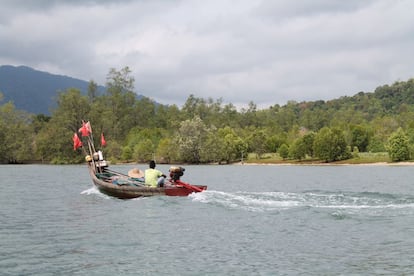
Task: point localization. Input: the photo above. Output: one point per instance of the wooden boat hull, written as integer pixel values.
(131, 191)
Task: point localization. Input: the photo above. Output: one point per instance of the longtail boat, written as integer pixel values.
(119, 185)
(122, 186)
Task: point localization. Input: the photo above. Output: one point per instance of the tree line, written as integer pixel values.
(207, 130)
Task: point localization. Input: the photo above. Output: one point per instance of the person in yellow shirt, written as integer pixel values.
(154, 177)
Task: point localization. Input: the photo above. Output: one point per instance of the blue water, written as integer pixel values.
(253, 220)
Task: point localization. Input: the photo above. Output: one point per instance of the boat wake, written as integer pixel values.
(94, 191)
(350, 202)
(91, 191)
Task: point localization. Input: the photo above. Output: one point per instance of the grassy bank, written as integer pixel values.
(361, 158)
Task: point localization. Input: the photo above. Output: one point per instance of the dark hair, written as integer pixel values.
(152, 164)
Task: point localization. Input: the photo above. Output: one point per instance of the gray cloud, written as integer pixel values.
(265, 51)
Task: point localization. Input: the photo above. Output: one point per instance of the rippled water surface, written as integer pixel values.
(253, 220)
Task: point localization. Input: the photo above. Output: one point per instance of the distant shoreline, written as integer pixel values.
(404, 163)
(327, 164)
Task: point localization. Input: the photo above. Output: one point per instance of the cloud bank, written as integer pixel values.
(268, 52)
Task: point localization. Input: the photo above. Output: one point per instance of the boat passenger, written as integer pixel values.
(154, 177)
(136, 174)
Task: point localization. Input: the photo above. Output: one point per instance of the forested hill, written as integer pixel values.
(35, 91)
(386, 99)
(206, 130)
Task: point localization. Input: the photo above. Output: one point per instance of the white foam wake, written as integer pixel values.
(276, 201)
(94, 191)
(91, 191)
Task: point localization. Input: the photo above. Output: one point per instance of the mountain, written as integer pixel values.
(36, 91)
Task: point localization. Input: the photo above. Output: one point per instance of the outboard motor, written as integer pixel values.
(176, 173)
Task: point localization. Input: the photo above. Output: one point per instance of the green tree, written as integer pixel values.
(113, 150)
(213, 149)
(3, 146)
(137, 134)
(55, 139)
(249, 116)
(257, 142)
(92, 91)
(127, 153)
(287, 116)
(330, 145)
(360, 138)
(376, 145)
(273, 142)
(144, 113)
(398, 146)
(144, 150)
(284, 151)
(39, 121)
(16, 136)
(167, 150)
(229, 145)
(191, 138)
(298, 149)
(229, 116)
(308, 140)
(119, 101)
(47, 150)
(72, 108)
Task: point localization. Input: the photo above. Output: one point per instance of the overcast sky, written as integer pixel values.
(268, 52)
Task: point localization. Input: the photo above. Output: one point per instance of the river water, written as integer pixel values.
(253, 220)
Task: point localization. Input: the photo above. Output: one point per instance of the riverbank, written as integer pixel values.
(411, 163)
(365, 158)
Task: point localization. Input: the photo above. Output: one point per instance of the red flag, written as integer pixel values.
(103, 142)
(77, 143)
(88, 127)
(84, 129)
